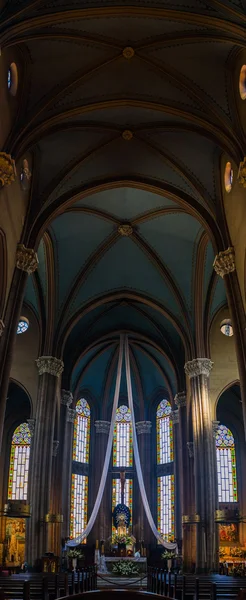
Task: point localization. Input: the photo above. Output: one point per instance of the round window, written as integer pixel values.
(242, 82)
(226, 327)
(228, 177)
(22, 325)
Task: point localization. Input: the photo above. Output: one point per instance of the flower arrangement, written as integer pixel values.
(125, 568)
(121, 539)
(75, 553)
(168, 555)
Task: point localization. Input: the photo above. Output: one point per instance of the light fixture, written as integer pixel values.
(226, 327)
(22, 325)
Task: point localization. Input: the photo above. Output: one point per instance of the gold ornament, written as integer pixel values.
(128, 52)
(224, 262)
(7, 169)
(242, 173)
(26, 259)
(127, 135)
(52, 518)
(125, 229)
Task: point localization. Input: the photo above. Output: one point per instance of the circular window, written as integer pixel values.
(226, 327)
(12, 79)
(22, 325)
(242, 82)
(228, 177)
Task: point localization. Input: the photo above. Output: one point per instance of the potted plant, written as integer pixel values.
(75, 555)
(168, 556)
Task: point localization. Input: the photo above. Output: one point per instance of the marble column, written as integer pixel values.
(102, 527)
(143, 429)
(198, 371)
(42, 486)
(67, 428)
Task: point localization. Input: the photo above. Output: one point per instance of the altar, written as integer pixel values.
(141, 562)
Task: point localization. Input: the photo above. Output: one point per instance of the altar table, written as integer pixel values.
(141, 562)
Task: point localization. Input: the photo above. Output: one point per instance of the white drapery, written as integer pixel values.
(95, 510)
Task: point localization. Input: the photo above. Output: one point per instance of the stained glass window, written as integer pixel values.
(19, 463)
(164, 430)
(226, 465)
(122, 445)
(22, 325)
(116, 495)
(79, 499)
(81, 438)
(165, 506)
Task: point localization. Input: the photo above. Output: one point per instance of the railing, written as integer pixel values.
(164, 583)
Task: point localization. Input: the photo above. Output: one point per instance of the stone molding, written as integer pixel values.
(174, 416)
(215, 425)
(49, 364)
(71, 414)
(55, 447)
(7, 169)
(2, 327)
(190, 446)
(198, 366)
(180, 399)
(102, 426)
(66, 397)
(26, 259)
(31, 425)
(224, 262)
(143, 427)
(242, 173)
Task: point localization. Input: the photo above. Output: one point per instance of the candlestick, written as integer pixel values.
(102, 549)
(96, 544)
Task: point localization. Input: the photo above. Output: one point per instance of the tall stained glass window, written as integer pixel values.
(165, 483)
(19, 463)
(226, 465)
(116, 495)
(122, 446)
(79, 488)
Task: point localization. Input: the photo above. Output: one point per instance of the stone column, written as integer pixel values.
(225, 267)
(66, 456)
(49, 369)
(143, 429)
(102, 527)
(198, 371)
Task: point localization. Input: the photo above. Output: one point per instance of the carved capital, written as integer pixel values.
(31, 425)
(26, 259)
(125, 229)
(143, 427)
(174, 416)
(71, 414)
(7, 169)
(198, 366)
(242, 173)
(215, 425)
(224, 262)
(49, 364)
(190, 446)
(55, 447)
(2, 326)
(102, 426)
(66, 397)
(180, 399)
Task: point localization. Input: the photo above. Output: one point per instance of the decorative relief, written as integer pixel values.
(102, 426)
(128, 52)
(143, 427)
(190, 446)
(180, 399)
(215, 425)
(174, 416)
(66, 397)
(125, 229)
(242, 173)
(71, 414)
(31, 425)
(7, 169)
(55, 447)
(26, 259)
(49, 364)
(224, 262)
(198, 366)
(127, 135)
(2, 326)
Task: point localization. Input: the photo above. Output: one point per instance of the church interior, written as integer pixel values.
(123, 283)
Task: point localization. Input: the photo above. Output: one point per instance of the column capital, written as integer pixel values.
(31, 425)
(49, 364)
(143, 427)
(190, 446)
(26, 259)
(224, 262)
(215, 425)
(55, 447)
(66, 397)
(242, 173)
(198, 366)
(71, 414)
(7, 169)
(174, 416)
(2, 326)
(180, 399)
(102, 426)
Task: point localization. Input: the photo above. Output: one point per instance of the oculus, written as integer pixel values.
(226, 327)
(22, 325)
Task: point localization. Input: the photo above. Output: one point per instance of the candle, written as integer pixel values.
(102, 550)
(96, 544)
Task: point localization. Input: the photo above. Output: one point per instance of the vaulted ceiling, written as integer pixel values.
(125, 109)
